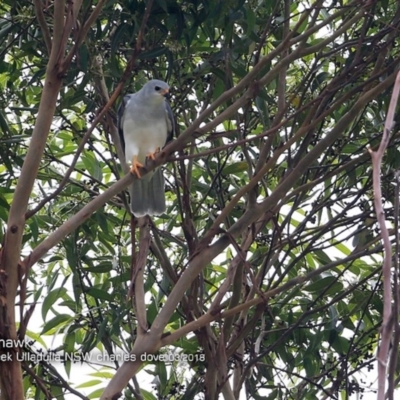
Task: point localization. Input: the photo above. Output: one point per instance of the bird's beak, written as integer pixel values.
(164, 92)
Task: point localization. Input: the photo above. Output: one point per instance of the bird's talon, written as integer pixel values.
(153, 155)
(135, 167)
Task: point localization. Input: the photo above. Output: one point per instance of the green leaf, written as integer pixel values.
(36, 337)
(157, 52)
(263, 110)
(310, 367)
(83, 57)
(50, 300)
(100, 268)
(55, 322)
(147, 395)
(99, 294)
(102, 374)
(235, 168)
(90, 383)
(320, 284)
(92, 165)
(96, 394)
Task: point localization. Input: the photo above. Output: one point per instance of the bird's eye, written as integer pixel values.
(157, 88)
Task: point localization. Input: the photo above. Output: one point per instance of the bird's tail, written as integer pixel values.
(147, 194)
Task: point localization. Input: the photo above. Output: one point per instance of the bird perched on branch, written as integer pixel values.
(145, 125)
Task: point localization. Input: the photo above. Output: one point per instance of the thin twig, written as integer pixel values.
(42, 22)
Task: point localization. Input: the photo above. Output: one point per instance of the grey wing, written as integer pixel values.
(170, 122)
(121, 115)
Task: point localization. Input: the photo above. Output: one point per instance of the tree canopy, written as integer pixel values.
(264, 276)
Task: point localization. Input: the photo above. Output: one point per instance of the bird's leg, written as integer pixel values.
(153, 155)
(135, 166)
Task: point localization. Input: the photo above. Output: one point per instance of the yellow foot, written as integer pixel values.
(153, 155)
(135, 167)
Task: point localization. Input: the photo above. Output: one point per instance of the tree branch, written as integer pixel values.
(387, 321)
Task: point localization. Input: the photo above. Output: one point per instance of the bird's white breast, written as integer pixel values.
(145, 129)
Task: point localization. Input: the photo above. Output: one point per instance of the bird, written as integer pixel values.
(145, 126)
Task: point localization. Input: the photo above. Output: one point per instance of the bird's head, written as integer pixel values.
(155, 89)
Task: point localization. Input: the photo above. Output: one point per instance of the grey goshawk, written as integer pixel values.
(145, 125)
